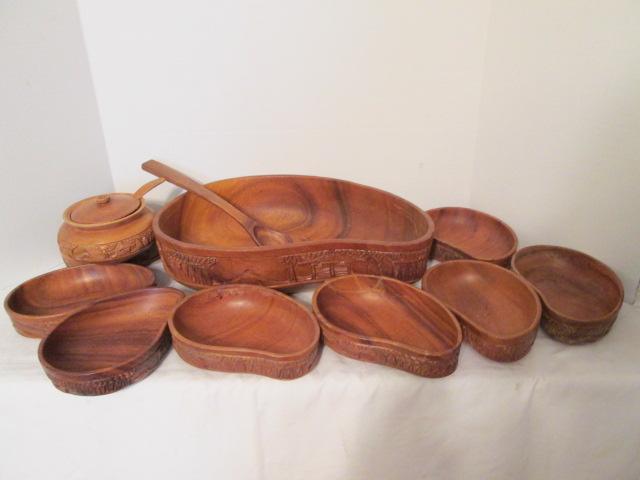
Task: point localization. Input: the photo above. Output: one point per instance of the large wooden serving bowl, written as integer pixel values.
(463, 233)
(246, 329)
(337, 228)
(384, 321)
(111, 343)
(499, 312)
(38, 305)
(581, 295)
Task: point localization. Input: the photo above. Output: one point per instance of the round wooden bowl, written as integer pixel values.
(110, 344)
(246, 329)
(38, 305)
(385, 321)
(499, 312)
(581, 295)
(463, 233)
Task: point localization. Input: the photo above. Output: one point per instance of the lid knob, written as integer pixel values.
(103, 199)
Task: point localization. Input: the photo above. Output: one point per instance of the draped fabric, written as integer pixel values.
(561, 412)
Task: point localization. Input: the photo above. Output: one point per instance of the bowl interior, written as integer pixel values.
(380, 308)
(69, 288)
(110, 332)
(246, 317)
(490, 297)
(475, 233)
(570, 282)
(307, 208)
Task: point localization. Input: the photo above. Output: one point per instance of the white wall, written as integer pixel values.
(558, 152)
(385, 93)
(51, 147)
(529, 110)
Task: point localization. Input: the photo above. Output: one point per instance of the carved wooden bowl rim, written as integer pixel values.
(53, 273)
(115, 369)
(239, 351)
(605, 270)
(503, 271)
(480, 213)
(367, 340)
(335, 242)
(66, 216)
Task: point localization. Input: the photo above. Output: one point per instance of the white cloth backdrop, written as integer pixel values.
(562, 412)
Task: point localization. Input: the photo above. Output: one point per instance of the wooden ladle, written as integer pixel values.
(260, 233)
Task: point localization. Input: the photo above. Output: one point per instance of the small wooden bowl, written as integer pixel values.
(382, 320)
(581, 295)
(38, 305)
(246, 329)
(463, 233)
(499, 312)
(110, 344)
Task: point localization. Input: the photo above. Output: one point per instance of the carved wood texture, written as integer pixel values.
(337, 228)
(499, 312)
(581, 296)
(109, 252)
(384, 321)
(266, 333)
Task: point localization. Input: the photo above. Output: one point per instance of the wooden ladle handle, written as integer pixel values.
(147, 187)
(181, 180)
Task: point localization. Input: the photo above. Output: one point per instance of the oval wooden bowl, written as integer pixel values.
(110, 344)
(246, 329)
(38, 305)
(581, 295)
(499, 312)
(337, 228)
(384, 321)
(463, 233)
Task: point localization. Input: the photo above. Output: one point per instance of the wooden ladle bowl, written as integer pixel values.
(581, 296)
(111, 343)
(463, 233)
(38, 305)
(499, 312)
(246, 328)
(385, 321)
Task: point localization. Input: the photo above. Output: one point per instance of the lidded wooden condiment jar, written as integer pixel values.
(110, 228)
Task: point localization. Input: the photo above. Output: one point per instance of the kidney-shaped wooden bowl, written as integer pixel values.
(382, 320)
(581, 295)
(110, 344)
(246, 328)
(499, 312)
(463, 233)
(38, 305)
(337, 228)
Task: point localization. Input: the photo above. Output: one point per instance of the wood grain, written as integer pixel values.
(108, 228)
(499, 312)
(41, 303)
(111, 343)
(385, 321)
(463, 233)
(337, 228)
(259, 233)
(581, 296)
(246, 329)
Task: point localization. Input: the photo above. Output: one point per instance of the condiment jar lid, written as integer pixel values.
(103, 208)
